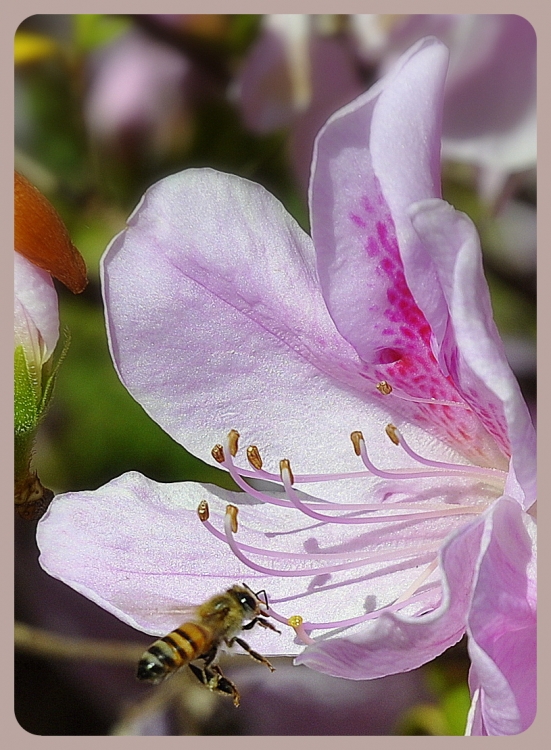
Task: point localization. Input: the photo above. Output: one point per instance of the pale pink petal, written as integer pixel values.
(362, 237)
(469, 346)
(36, 316)
(138, 549)
(502, 621)
(216, 321)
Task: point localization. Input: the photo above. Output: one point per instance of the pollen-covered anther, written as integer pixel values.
(295, 621)
(233, 442)
(231, 513)
(218, 453)
(285, 469)
(357, 437)
(203, 511)
(392, 433)
(384, 388)
(254, 457)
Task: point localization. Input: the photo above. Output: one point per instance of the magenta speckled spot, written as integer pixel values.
(358, 221)
(366, 204)
(400, 349)
(372, 247)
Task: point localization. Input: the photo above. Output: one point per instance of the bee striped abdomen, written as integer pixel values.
(173, 651)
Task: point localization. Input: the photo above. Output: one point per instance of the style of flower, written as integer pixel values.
(290, 355)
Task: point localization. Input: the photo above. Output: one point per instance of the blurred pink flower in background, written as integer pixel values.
(222, 313)
(490, 98)
(296, 74)
(299, 71)
(138, 95)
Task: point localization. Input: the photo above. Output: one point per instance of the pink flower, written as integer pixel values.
(297, 74)
(223, 314)
(490, 97)
(138, 95)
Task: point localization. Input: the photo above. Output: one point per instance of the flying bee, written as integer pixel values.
(213, 623)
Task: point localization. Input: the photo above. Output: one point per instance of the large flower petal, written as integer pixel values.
(138, 549)
(502, 622)
(469, 347)
(216, 321)
(372, 160)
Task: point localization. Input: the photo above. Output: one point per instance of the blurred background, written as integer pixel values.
(106, 105)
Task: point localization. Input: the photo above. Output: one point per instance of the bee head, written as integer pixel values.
(251, 602)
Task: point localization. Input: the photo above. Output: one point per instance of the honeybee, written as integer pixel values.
(216, 621)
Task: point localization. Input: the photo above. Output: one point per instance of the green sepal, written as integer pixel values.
(32, 395)
(27, 394)
(49, 374)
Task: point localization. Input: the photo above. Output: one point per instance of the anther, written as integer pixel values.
(231, 512)
(218, 453)
(356, 438)
(203, 510)
(233, 442)
(285, 466)
(392, 432)
(384, 388)
(254, 458)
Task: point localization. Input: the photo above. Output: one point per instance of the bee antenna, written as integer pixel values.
(257, 594)
(264, 598)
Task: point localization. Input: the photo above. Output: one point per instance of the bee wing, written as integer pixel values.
(160, 620)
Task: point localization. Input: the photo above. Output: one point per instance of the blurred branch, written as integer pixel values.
(49, 645)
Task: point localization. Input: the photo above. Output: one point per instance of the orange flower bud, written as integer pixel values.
(42, 238)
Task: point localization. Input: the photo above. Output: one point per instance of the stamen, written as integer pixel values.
(386, 389)
(218, 453)
(382, 513)
(448, 469)
(349, 556)
(230, 530)
(254, 458)
(357, 508)
(285, 468)
(418, 581)
(395, 607)
(421, 515)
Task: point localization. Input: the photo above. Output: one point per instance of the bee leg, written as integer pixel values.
(255, 655)
(213, 678)
(262, 622)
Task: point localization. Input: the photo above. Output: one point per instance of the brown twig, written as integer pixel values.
(43, 643)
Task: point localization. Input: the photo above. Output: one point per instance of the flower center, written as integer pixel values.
(384, 515)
